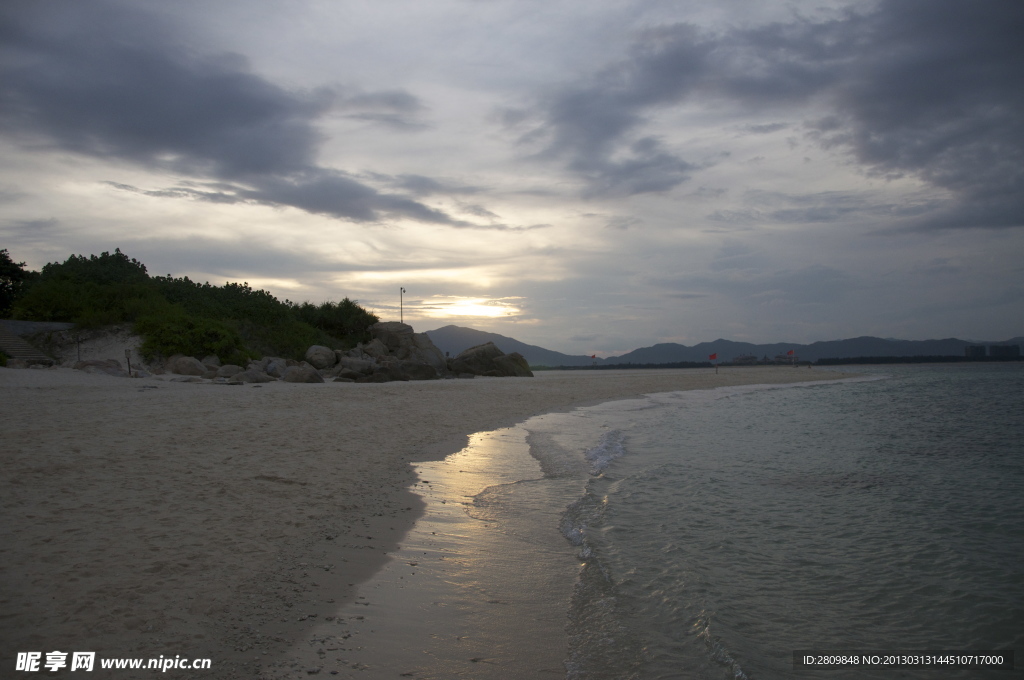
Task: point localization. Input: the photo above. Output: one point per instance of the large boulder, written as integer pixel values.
(488, 359)
(424, 351)
(396, 336)
(375, 349)
(514, 364)
(228, 370)
(302, 374)
(321, 357)
(358, 365)
(418, 371)
(102, 366)
(183, 365)
(253, 375)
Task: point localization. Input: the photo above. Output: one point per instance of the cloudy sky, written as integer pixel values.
(588, 176)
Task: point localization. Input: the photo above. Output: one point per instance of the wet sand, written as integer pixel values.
(143, 518)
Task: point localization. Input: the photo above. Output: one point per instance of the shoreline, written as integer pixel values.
(222, 522)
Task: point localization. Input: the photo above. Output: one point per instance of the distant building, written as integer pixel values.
(1004, 351)
(974, 351)
(745, 360)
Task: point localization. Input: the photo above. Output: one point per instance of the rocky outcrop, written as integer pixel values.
(405, 345)
(487, 359)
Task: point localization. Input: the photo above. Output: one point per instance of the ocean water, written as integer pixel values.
(726, 529)
(710, 534)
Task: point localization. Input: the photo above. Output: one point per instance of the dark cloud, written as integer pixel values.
(107, 81)
(929, 88)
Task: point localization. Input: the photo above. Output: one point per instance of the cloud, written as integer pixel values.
(927, 88)
(108, 82)
(816, 284)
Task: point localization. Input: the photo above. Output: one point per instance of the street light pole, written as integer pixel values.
(401, 313)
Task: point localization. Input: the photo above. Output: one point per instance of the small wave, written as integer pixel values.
(608, 448)
(714, 647)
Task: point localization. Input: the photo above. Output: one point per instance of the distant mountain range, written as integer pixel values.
(454, 339)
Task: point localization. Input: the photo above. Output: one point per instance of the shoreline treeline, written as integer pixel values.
(177, 315)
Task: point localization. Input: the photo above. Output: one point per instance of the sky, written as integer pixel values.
(591, 177)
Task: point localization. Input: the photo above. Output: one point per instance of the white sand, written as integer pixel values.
(145, 518)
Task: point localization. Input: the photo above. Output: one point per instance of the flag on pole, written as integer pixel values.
(593, 356)
(713, 356)
(789, 353)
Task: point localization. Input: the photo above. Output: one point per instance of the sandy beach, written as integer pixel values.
(144, 518)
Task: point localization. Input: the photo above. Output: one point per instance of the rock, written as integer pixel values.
(276, 367)
(416, 371)
(358, 365)
(228, 370)
(183, 365)
(211, 360)
(402, 343)
(321, 357)
(488, 359)
(514, 364)
(141, 374)
(375, 348)
(302, 374)
(349, 374)
(394, 335)
(424, 351)
(387, 372)
(102, 366)
(209, 375)
(252, 375)
(259, 364)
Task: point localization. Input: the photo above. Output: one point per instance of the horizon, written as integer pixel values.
(598, 178)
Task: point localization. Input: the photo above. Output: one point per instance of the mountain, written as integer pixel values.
(865, 346)
(454, 339)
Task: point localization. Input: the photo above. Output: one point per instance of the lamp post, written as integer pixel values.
(401, 313)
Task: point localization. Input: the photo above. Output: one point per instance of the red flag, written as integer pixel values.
(713, 356)
(593, 356)
(789, 353)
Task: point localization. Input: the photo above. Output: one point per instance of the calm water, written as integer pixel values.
(720, 531)
(710, 534)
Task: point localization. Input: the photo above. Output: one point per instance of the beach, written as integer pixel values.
(145, 518)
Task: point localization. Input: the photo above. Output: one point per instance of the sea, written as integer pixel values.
(723, 534)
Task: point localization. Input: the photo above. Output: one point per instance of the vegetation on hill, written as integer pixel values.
(13, 279)
(178, 315)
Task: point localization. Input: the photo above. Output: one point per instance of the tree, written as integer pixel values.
(13, 278)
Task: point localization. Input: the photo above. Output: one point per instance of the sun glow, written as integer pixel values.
(447, 307)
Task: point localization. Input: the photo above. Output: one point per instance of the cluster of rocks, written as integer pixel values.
(394, 353)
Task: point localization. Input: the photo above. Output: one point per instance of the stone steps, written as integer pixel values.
(16, 348)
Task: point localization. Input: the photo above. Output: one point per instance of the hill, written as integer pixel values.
(454, 339)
